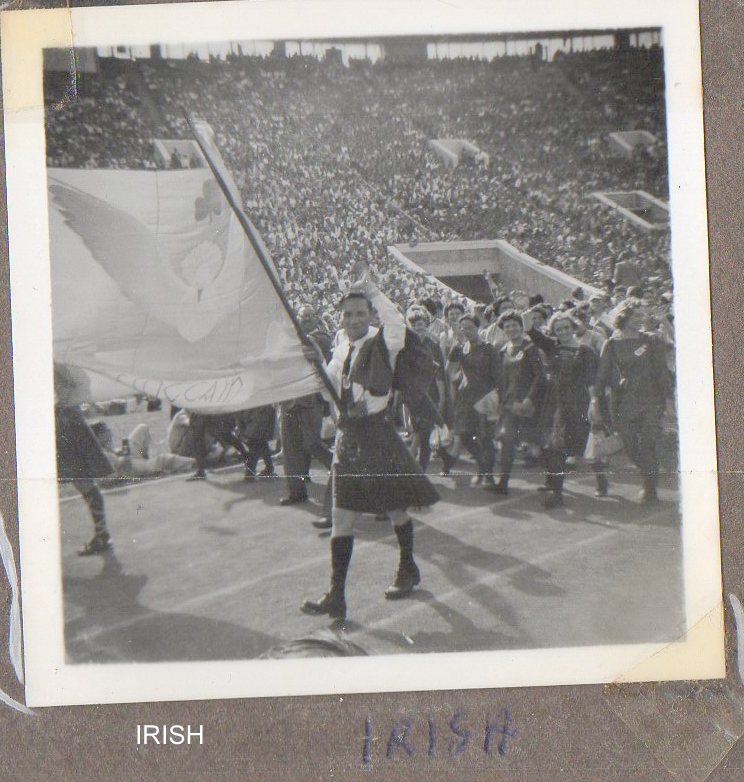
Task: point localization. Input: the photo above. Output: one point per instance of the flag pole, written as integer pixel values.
(263, 256)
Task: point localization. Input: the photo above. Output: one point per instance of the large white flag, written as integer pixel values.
(156, 288)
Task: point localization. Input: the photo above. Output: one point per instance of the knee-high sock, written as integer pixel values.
(424, 452)
(404, 533)
(556, 469)
(266, 456)
(508, 449)
(600, 473)
(341, 549)
(94, 500)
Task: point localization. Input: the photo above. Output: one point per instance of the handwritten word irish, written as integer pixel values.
(406, 739)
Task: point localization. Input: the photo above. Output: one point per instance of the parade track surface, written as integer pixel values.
(217, 569)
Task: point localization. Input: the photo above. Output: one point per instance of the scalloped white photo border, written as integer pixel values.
(50, 680)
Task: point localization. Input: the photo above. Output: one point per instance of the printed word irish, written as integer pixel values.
(169, 734)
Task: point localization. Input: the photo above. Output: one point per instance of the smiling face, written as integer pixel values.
(418, 326)
(564, 330)
(356, 316)
(512, 330)
(453, 316)
(469, 330)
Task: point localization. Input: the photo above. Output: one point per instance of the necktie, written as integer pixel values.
(346, 394)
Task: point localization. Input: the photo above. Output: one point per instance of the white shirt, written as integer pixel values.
(394, 336)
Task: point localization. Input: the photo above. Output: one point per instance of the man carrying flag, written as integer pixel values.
(373, 471)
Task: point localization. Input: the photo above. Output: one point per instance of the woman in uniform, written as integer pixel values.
(522, 389)
(476, 363)
(572, 368)
(429, 410)
(633, 364)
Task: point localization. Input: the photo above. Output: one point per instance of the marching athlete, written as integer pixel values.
(80, 457)
(373, 471)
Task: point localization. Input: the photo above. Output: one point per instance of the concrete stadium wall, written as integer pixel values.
(450, 150)
(517, 271)
(638, 206)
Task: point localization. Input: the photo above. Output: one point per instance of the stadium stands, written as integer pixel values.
(333, 162)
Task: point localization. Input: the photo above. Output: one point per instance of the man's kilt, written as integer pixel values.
(373, 471)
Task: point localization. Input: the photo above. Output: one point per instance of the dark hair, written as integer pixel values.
(502, 300)
(453, 305)
(417, 312)
(430, 306)
(578, 293)
(509, 315)
(536, 299)
(538, 309)
(559, 316)
(624, 310)
(582, 312)
(354, 295)
(470, 316)
(635, 292)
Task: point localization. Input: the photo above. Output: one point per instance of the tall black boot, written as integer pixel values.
(408, 575)
(333, 602)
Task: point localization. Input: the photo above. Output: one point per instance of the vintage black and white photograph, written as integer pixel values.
(367, 346)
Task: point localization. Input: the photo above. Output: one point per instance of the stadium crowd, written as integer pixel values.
(333, 162)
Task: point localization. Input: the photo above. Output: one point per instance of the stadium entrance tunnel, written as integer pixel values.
(452, 151)
(626, 141)
(639, 207)
(462, 266)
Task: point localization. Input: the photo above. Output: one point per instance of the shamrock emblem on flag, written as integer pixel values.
(177, 276)
(209, 203)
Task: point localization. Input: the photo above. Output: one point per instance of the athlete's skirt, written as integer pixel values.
(373, 471)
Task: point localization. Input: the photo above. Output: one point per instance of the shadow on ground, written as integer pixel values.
(143, 635)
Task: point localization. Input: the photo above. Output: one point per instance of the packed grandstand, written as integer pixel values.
(334, 162)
